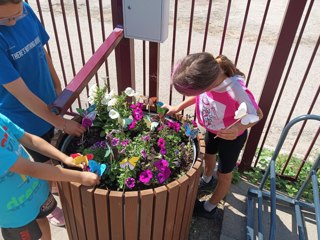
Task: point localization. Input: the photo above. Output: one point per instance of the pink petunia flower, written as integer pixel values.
(132, 125)
(161, 165)
(130, 182)
(163, 175)
(145, 176)
(161, 143)
(86, 122)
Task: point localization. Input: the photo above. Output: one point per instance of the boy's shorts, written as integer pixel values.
(228, 150)
(31, 231)
(37, 157)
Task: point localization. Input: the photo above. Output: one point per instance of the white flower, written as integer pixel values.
(112, 102)
(113, 114)
(107, 97)
(92, 93)
(129, 92)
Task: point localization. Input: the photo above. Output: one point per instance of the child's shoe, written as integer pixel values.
(199, 210)
(56, 218)
(210, 186)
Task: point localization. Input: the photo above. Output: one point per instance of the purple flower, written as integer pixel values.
(146, 138)
(86, 122)
(123, 151)
(161, 143)
(130, 182)
(161, 165)
(163, 175)
(133, 106)
(176, 127)
(132, 125)
(161, 128)
(139, 105)
(145, 176)
(194, 123)
(163, 151)
(115, 142)
(137, 114)
(144, 153)
(125, 142)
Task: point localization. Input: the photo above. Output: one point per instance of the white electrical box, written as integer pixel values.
(146, 19)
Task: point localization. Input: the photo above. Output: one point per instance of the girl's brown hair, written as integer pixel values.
(228, 67)
(197, 72)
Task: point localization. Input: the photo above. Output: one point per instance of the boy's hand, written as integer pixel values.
(89, 179)
(69, 161)
(73, 128)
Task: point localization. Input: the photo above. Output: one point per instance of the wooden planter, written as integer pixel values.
(160, 213)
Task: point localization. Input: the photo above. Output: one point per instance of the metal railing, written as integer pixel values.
(261, 195)
(275, 42)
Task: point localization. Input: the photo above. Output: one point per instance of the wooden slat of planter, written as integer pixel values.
(116, 215)
(173, 193)
(131, 215)
(67, 206)
(101, 201)
(183, 181)
(146, 205)
(77, 208)
(159, 212)
(89, 212)
(198, 167)
(188, 209)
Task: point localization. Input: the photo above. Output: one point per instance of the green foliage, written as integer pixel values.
(285, 186)
(140, 149)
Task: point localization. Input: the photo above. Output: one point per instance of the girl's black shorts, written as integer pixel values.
(227, 150)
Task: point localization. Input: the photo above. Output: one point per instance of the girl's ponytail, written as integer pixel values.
(228, 67)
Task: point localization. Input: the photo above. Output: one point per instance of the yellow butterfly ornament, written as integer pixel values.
(131, 163)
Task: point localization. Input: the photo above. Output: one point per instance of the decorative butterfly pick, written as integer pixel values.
(242, 115)
(88, 115)
(131, 163)
(79, 159)
(150, 124)
(191, 133)
(160, 110)
(97, 167)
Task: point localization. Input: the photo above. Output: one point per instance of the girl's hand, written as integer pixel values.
(89, 179)
(69, 161)
(229, 134)
(73, 128)
(171, 109)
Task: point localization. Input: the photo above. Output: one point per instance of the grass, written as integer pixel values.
(287, 187)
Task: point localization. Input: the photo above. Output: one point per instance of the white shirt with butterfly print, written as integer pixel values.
(215, 109)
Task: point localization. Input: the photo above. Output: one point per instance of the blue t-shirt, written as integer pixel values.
(21, 195)
(22, 55)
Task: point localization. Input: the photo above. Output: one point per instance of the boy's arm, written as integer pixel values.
(54, 75)
(19, 90)
(39, 145)
(51, 173)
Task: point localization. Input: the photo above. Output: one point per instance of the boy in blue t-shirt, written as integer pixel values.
(28, 80)
(25, 198)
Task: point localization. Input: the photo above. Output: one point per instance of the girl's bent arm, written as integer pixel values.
(186, 103)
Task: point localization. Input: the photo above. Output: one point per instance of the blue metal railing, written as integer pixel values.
(272, 196)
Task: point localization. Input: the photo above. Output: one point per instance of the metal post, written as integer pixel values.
(286, 38)
(124, 52)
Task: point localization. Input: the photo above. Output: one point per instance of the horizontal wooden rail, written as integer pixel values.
(82, 78)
